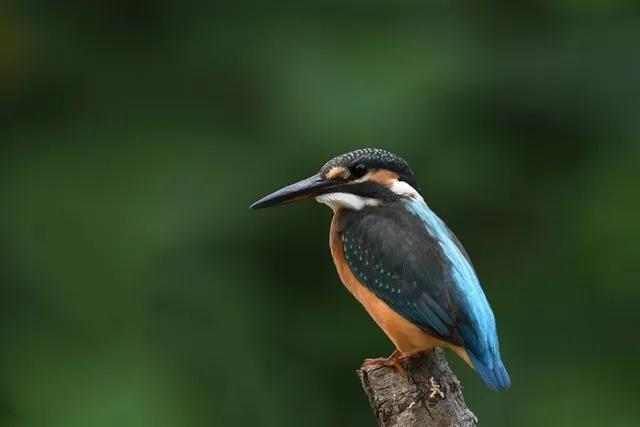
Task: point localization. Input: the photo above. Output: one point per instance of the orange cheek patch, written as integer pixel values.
(384, 177)
(336, 172)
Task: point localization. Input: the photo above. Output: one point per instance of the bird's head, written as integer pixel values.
(365, 177)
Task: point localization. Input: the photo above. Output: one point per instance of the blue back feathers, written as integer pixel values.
(408, 257)
(480, 335)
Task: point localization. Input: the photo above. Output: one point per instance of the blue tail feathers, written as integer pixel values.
(491, 370)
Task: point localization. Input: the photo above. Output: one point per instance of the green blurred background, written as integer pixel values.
(138, 289)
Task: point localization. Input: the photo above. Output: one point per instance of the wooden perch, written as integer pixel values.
(430, 396)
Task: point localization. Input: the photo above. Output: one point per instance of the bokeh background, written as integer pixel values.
(138, 289)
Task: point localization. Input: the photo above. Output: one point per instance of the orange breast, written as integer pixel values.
(406, 336)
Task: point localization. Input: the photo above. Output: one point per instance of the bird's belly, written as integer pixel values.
(406, 336)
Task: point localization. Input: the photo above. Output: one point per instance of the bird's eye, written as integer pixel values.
(358, 171)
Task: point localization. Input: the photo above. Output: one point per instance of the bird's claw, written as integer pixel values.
(392, 361)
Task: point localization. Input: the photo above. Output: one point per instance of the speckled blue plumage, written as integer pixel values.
(408, 257)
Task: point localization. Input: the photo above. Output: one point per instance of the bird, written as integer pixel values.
(401, 261)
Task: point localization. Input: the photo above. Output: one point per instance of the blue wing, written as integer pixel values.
(409, 258)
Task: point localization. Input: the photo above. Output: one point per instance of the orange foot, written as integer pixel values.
(392, 361)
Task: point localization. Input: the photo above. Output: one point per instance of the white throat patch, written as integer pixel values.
(356, 203)
(346, 200)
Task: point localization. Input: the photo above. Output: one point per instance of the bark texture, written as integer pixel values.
(430, 395)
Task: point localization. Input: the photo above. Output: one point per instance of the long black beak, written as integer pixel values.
(313, 186)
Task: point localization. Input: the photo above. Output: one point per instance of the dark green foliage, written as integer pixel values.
(137, 288)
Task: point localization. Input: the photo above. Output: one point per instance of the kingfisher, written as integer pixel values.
(401, 262)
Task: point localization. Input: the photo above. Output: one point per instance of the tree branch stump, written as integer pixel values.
(430, 396)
